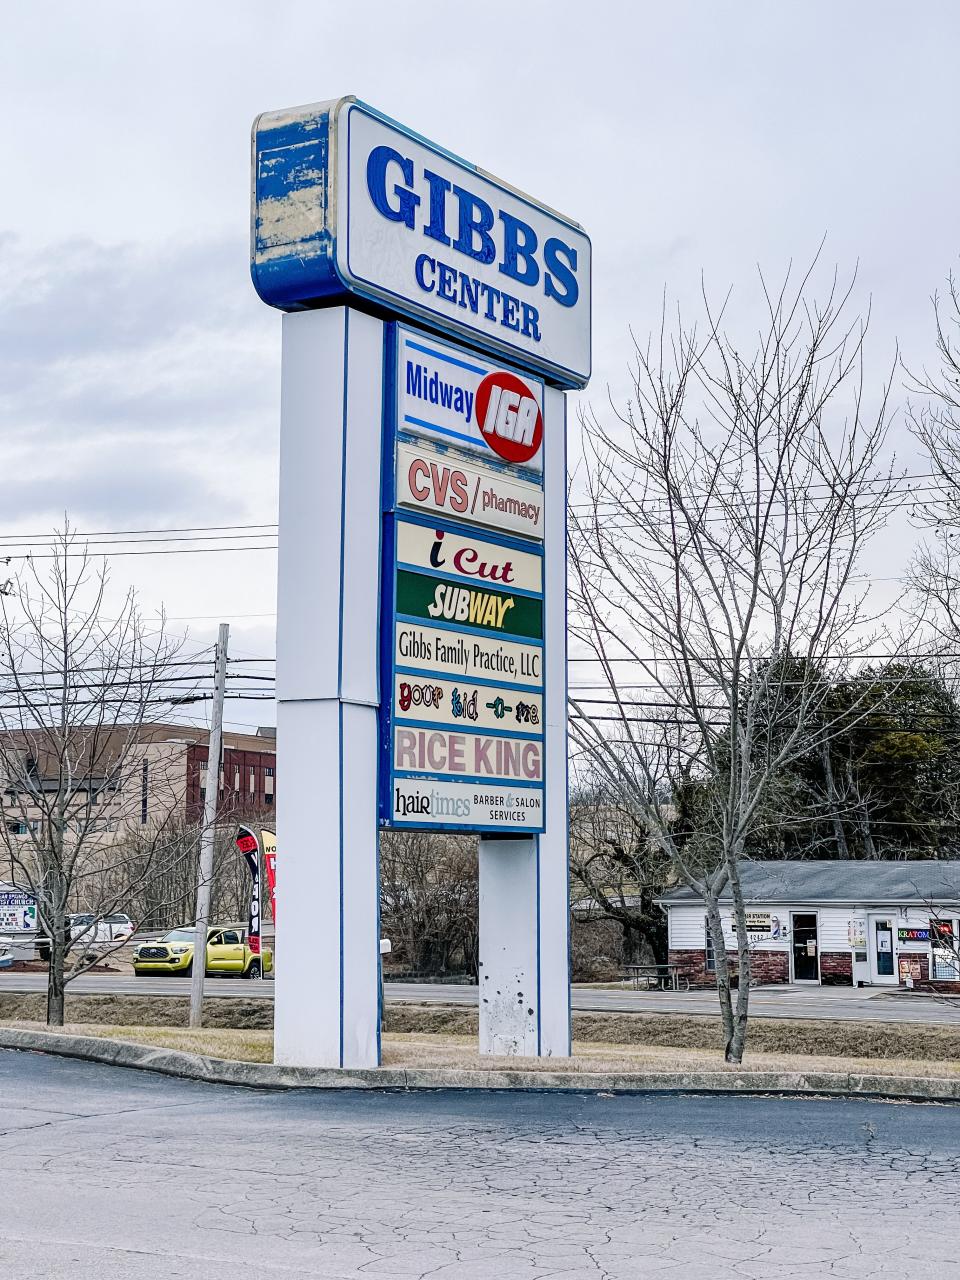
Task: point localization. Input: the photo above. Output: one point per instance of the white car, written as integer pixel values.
(90, 931)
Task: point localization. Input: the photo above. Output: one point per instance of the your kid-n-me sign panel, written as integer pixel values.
(345, 200)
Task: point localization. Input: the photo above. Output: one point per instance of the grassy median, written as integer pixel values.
(245, 1028)
(460, 1051)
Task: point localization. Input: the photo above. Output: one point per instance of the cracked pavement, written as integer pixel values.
(110, 1173)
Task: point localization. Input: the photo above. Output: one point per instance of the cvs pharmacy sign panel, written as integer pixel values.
(346, 200)
(454, 396)
(428, 480)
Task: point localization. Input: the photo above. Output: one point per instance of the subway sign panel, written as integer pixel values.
(346, 201)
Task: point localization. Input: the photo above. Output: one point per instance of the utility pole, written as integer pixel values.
(207, 831)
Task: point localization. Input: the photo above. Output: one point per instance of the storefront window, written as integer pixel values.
(943, 938)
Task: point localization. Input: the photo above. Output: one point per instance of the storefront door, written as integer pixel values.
(806, 948)
(883, 962)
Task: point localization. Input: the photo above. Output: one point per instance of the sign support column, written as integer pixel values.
(524, 882)
(328, 690)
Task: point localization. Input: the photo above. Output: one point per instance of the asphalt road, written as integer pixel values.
(121, 1175)
(844, 1003)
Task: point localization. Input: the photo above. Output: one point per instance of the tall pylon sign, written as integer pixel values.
(435, 319)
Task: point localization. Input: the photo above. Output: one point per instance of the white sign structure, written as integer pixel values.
(436, 316)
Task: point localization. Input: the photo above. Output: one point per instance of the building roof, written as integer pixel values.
(852, 881)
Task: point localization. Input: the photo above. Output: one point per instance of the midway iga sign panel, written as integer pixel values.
(454, 396)
(430, 480)
(345, 200)
(462, 729)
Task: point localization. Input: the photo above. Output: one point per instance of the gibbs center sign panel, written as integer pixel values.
(346, 201)
(486, 294)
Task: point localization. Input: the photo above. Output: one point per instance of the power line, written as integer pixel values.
(125, 533)
(172, 551)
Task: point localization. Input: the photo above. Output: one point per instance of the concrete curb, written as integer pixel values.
(257, 1075)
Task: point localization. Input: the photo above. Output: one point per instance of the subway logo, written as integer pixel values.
(420, 596)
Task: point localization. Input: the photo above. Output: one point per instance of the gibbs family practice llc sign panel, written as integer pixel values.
(345, 200)
(463, 723)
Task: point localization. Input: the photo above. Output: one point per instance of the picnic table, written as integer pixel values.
(666, 977)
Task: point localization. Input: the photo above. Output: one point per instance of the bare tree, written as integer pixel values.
(617, 870)
(935, 421)
(79, 772)
(715, 581)
(162, 894)
(429, 900)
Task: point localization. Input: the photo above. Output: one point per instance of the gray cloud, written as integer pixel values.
(130, 489)
(124, 339)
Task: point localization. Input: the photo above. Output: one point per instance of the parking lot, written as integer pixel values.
(124, 1175)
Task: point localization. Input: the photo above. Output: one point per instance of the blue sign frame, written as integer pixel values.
(389, 620)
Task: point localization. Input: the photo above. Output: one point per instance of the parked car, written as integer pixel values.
(6, 956)
(89, 932)
(228, 953)
(86, 928)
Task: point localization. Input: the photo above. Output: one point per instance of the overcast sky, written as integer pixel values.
(138, 370)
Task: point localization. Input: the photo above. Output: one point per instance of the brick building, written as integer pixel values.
(248, 779)
(840, 922)
(164, 773)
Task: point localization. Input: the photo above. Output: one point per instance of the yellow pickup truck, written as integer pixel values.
(227, 953)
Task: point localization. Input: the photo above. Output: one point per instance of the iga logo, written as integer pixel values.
(509, 417)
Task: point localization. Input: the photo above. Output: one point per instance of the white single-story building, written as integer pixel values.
(844, 922)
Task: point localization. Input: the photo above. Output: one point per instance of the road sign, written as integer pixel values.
(436, 316)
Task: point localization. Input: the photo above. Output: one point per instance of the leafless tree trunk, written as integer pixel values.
(617, 870)
(935, 421)
(715, 581)
(833, 804)
(78, 691)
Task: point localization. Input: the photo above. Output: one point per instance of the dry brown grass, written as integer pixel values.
(654, 1037)
(419, 1050)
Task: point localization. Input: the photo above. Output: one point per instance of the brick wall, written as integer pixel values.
(693, 966)
(836, 968)
(770, 966)
(766, 966)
